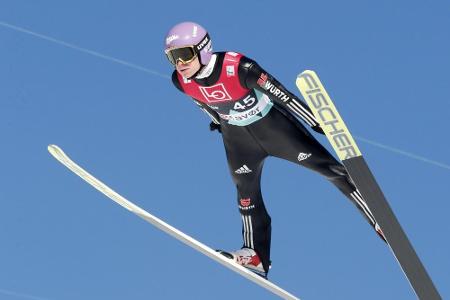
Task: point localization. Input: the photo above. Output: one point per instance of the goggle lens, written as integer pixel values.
(185, 55)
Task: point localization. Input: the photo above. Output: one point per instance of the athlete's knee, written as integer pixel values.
(338, 169)
(338, 172)
(338, 176)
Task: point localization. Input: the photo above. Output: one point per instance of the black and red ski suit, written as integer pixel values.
(258, 118)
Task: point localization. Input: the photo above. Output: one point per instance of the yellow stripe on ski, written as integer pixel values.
(325, 112)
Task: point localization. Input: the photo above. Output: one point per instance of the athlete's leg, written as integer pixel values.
(291, 141)
(245, 160)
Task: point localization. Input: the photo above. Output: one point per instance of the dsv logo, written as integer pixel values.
(215, 93)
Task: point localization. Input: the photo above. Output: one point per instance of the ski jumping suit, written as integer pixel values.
(257, 117)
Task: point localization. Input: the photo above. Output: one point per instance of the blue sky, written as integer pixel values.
(91, 77)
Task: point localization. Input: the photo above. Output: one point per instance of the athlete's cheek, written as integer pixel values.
(183, 67)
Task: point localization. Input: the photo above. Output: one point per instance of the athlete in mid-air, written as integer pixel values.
(258, 117)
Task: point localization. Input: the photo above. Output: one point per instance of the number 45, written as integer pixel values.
(247, 102)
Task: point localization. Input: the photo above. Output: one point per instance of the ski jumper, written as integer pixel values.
(258, 118)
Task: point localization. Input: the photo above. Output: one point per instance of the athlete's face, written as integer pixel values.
(188, 69)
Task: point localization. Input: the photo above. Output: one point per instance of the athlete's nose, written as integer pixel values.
(180, 63)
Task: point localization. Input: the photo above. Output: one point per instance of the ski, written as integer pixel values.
(186, 239)
(348, 152)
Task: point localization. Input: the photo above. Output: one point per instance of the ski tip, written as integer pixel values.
(53, 149)
(310, 72)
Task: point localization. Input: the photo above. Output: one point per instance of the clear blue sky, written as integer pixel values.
(385, 63)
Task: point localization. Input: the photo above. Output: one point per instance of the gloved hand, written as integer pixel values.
(318, 129)
(213, 126)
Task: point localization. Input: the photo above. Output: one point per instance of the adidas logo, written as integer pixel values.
(243, 170)
(303, 156)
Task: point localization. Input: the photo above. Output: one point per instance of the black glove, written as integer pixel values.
(318, 129)
(213, 126)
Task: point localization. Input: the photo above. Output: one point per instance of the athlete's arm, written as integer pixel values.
(252, 76)
(210, 112)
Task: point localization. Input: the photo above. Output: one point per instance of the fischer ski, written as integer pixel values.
(346, 149)
(186, 239)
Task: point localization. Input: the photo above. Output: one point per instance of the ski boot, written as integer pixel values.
(247, 258)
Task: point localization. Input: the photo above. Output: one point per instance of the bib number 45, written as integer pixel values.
(245, 103)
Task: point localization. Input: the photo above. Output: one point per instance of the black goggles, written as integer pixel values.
(184, 54)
